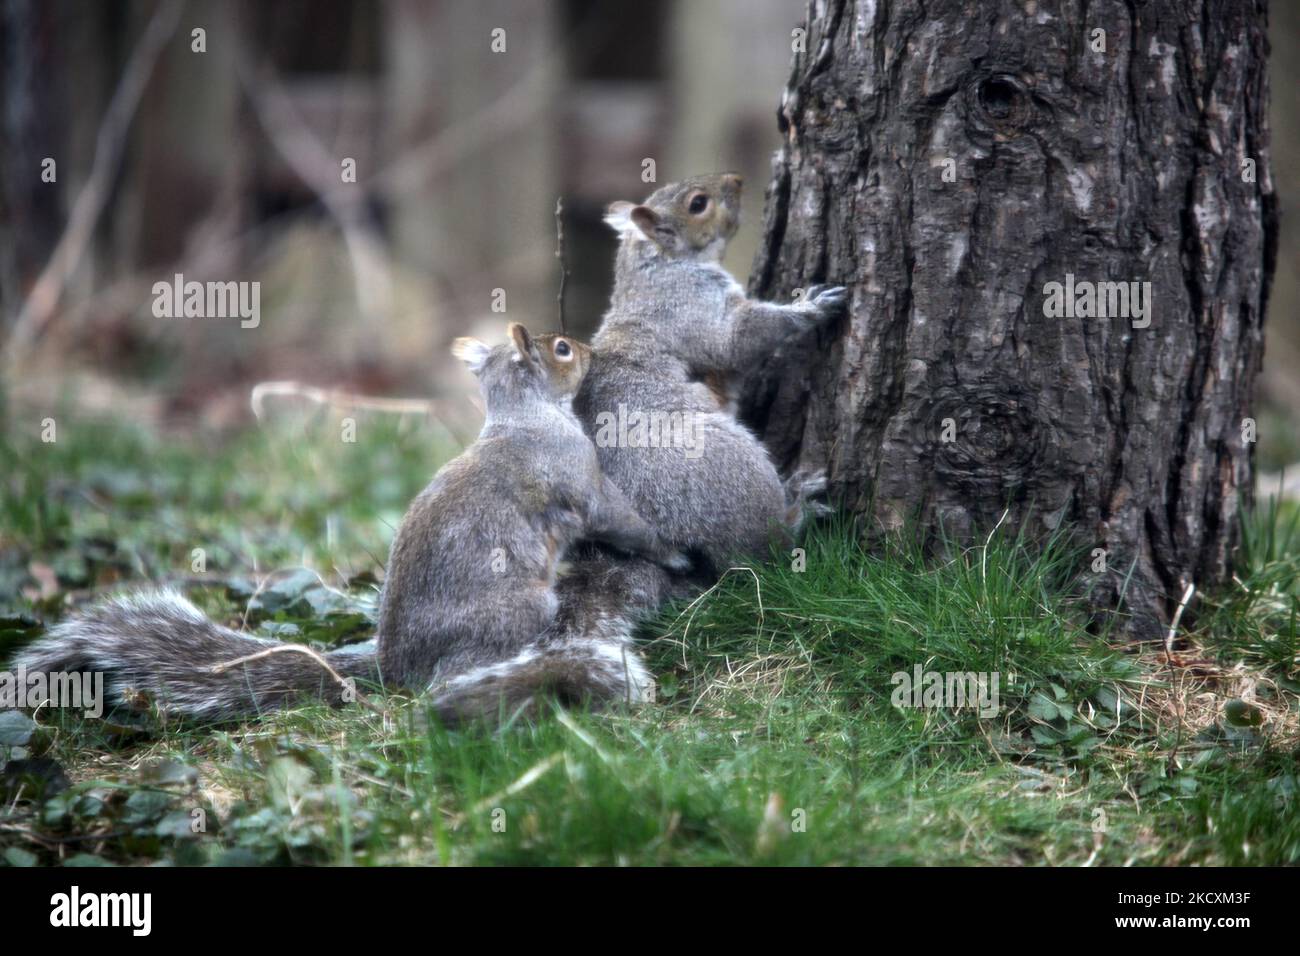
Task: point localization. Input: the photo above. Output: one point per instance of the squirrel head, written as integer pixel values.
(551, 366)
(691, 219)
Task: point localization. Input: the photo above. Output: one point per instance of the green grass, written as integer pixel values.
(1255, 620)
(774, 739)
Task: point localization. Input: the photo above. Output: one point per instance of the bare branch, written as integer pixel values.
(559, 254)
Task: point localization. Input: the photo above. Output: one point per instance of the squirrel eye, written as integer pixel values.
(699, 203)
(562, 349)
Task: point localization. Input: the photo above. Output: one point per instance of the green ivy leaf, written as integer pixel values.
(177, 824)
(1046, 736)
(16, 856)
(16, 728)
(1041, 708)
(1107, 699)
(145, 806)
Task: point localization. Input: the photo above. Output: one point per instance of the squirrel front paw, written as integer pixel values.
(806, 484)
(827, 300)
(802, 489)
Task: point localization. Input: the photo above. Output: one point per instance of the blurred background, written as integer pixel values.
(228, 165)
(222, 155)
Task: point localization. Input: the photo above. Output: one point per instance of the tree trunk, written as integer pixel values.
(30, 208)
(948, 162)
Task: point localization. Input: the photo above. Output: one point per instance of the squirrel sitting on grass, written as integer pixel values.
(470, 586)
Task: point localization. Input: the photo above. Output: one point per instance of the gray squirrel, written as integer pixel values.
(471, 573)
(678, 324)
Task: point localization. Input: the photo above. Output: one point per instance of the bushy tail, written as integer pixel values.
(595, 673)
(158, 647)
(587, 657)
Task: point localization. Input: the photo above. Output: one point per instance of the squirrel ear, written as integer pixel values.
(637, 222)
(523, 342)
(472, 352)
(616, 216)
(650, 224)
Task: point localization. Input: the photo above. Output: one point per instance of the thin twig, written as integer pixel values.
(1173, 676)
(1178, 616)
(315, 656)
(559, 254)
(337, 399)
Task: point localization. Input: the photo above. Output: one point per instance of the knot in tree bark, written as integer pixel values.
(1001, 104)
(986, 438)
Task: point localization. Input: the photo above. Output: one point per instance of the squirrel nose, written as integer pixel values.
(733, 179)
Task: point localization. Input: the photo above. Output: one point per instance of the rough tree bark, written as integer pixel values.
(1146, 160)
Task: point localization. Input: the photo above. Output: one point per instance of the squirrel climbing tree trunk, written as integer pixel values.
(1058, 225)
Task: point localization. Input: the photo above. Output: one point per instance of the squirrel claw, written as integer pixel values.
(830, 299)
(825, 301)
